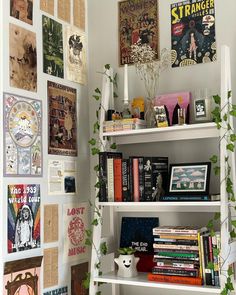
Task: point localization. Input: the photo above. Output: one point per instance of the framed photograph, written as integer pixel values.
(200, 108)
(191, 178)
(138, 20)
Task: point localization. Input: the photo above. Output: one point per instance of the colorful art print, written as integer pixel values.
(62, 120)
(22, 136)
(138, 20)
(78, 275)
(189, 178)
(53, 63)
(23, 217)
(75, 225)
(22, 10)
(58, 291)
(76, 68)
(22, 277)
(22, 58)
(193, 32)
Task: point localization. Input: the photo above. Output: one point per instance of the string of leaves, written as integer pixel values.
(96, 146)
(222, 116)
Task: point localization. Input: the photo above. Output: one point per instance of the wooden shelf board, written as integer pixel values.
(172, 133)
(142, 281)
(163, 206)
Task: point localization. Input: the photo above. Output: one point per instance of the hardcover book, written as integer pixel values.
(125, 181)
(136, 232)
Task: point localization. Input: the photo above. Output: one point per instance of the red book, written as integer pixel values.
(117, 180)
(136, 180)
(175, 279)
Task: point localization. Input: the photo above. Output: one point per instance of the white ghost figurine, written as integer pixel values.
(127, 266)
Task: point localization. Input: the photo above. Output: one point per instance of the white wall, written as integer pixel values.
(103, 49)
(83, 153)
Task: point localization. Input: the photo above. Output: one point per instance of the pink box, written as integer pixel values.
(173, 102)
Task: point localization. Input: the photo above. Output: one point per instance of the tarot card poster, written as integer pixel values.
(75, 225)
(78, 275)
(22, 277)
(53, 63)
(22, 136)
(76, 69)
(22, 10)
(23, 217)
(22, 58)
(193, 32)
(62, 120)
(138, 20)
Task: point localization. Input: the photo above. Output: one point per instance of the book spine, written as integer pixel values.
(200, 255)
(131, 186)
(125, 181)
(159, 231)
(188, 198)
(141, 178)
(102, 177)
(176, 247)
(176, 254)
(175, 242)
(175, 279)
(216, 261)
(211, 259)
(136, 180)
(172, 236)
(175, 272)
(177, 264)
(147, 179)
(117, 180)
(208, 276)
(159, 177)
(110, 179)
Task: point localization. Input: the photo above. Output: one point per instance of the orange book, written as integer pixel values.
(175, 279)
(117, 180)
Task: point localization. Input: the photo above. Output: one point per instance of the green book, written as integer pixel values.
(176, 254)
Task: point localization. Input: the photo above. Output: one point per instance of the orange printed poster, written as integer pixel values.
(63, 10)
(47, 6)
(79, 14)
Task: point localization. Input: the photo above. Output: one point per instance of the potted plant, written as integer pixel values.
(127, 263)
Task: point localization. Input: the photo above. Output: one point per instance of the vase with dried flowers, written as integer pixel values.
(149, 68)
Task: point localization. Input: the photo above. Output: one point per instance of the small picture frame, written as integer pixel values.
(190, 178)
(200, 108)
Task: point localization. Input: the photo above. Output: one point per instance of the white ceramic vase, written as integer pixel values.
(127, 265)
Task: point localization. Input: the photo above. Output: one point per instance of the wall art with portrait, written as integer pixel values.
(22, 10)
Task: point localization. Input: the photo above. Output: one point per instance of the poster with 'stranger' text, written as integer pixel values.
(75, 226)
(23, 217)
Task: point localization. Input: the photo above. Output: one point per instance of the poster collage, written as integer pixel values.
(64, 56)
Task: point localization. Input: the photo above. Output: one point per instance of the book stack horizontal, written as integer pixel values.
(123, 124)
(136, 179)
(185, 255)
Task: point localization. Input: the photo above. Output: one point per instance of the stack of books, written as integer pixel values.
(137, 179)
(123, 124)
(185, 255)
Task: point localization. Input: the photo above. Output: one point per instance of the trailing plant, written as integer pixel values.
(222, 117)
(96, 146)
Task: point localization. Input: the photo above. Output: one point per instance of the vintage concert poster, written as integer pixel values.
(53, 63)
(76, 68)
(22, 136)
(23, 217)
(62, 118)
(138, 20)
(22, 58)
(22, 10)
(22, 277)
(75, 225)
(193, 32)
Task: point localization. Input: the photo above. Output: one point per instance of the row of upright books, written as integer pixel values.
(138, 179)
(185, 255)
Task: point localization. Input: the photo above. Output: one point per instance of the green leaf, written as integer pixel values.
(229, 127)
(217, 170)
(88, 232)
(233, 222)
(86, 281)
(232, 113)
(210, 224)
(216, 252)
(88, 242)
(97, 185)
(97, 90)
(233, 137)
(107, 66)
(95, 222)
(214, 159)
(96, 127)
(229, 93)
(97, 97)
(210, 265)
(230, 147)
(217, 99)
(217, 216)
(98, 292)
(212, 233)
(230, 271)
(97, 114)
(233, 234)
(115, 94)
(113, 146)
(95, 151)
(103, 248)
(96, 168)
(224, 292)
(92, 141)
(225, 117)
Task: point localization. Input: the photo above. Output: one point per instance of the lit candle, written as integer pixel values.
(126, 96)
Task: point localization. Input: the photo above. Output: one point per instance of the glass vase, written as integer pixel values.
(149, 115)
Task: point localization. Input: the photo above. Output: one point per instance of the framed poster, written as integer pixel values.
(22, 10)
(193, 33)
(75, 225)
(22, 276)
(76, 64)
(138, 20)
(62, 118)
(23, 217)
(53, 63)
(78, 275)
(22, 58)
(22, 136)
